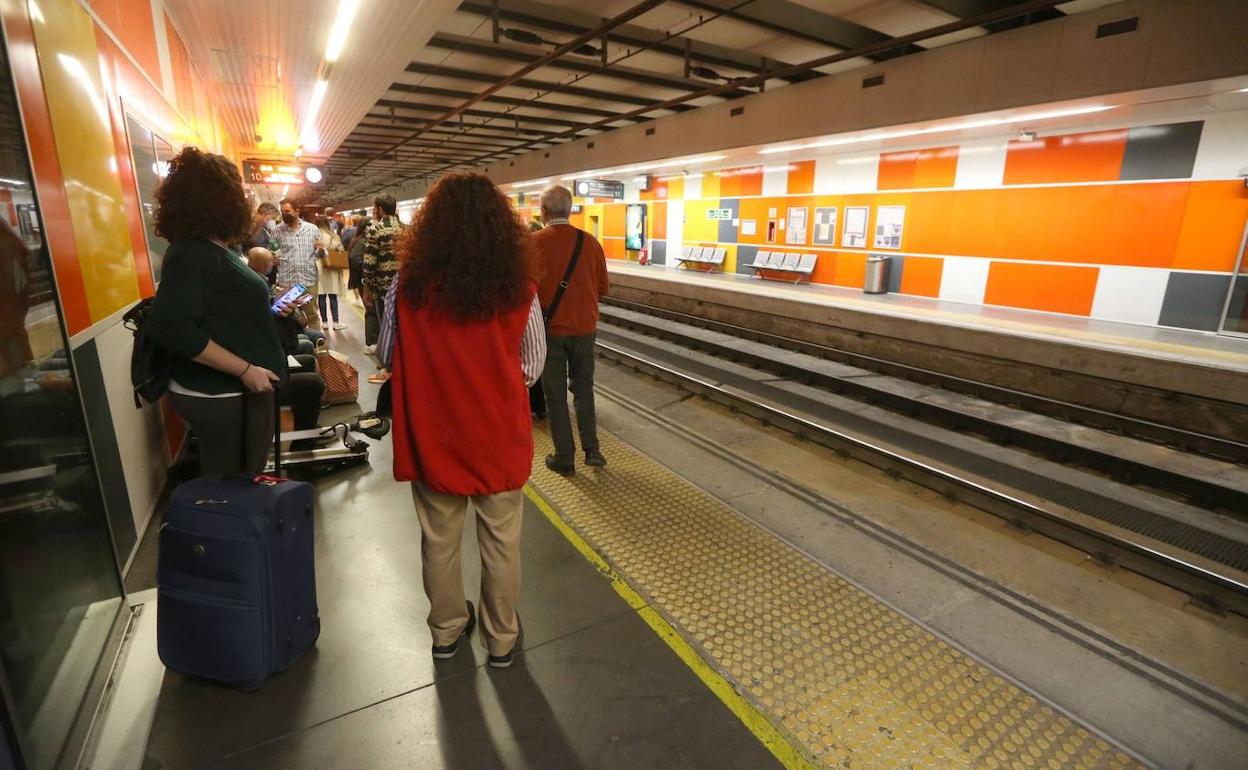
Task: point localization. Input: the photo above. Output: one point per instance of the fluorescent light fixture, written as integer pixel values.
(341, 26)
(538, 183)
(14, 182)
(313, 174)
(36, 12)
(963, 126)
(1240, 91)
(310, 137)
(645, 167)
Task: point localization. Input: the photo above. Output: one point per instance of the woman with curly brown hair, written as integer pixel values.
(212, 314)
(467, 342)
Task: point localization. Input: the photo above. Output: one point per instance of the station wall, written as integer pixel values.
(1139, 224)
(82, 67)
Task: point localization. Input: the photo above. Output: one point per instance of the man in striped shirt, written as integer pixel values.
(299, 248)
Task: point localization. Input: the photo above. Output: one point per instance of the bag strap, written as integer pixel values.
(567, 277)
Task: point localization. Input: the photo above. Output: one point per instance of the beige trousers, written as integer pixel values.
(498, 538)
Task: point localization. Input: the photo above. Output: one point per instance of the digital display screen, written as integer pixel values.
(635, 227)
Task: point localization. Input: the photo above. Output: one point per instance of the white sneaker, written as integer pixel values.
(340, 326)
(370, 349)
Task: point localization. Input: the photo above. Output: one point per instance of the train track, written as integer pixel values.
(1132, 503)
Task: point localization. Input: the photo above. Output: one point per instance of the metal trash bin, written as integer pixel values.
(876, 280)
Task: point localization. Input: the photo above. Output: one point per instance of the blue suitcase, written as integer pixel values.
(237, 579)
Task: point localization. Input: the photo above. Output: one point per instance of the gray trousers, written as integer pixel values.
(234, 433)
(570, 360)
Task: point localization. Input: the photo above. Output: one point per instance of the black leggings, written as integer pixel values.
(235, 433)
(333, 305)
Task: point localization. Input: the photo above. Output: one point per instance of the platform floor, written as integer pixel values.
(664, 627)
(1204, 348)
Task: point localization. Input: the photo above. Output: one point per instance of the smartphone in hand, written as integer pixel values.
(291, 295)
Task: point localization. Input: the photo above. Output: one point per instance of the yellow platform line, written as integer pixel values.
(754, 720)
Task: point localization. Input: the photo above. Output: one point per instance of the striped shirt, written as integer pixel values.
(297, 262)
(532, 344)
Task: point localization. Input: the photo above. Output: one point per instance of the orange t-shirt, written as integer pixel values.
(577, 313)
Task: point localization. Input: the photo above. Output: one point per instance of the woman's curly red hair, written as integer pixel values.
(202, 197)
(466, 253)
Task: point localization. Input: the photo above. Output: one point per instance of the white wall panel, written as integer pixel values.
(693, 187)
(1130, 294)
(776, 181)
(140, 432)
(855, 173)
(675, 232)
(981, 163)
(1223, 146)
(964, 279)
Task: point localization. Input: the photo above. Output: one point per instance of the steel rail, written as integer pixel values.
(1218, 586)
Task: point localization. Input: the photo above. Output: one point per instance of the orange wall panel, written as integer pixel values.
(111, 60)
(180, 62)
(921, 276)
(613, 216)
(849, 269)
(801, 177)
(937, 167)
(1055, 288)
(657, 216)
(1212, 226)
(1144, 223)
(137, 32)
(614, 248)
(1090, 157)
(896, 170)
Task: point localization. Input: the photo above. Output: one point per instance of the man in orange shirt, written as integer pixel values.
(569, 300)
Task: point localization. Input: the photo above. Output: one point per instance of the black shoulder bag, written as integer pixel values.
(567, 277)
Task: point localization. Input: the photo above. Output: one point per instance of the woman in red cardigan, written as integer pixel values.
(468, 342)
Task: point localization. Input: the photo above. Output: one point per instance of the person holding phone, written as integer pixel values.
(213, 315)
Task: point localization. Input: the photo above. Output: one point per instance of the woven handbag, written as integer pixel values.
(342, 381)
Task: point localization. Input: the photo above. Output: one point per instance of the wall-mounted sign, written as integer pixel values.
(600, 188)
(268, 172)
(719, 213)
(889, 221)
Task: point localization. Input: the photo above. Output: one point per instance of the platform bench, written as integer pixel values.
(781, 266)
(704, 258)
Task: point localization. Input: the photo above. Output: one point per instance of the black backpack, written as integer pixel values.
(149, 363)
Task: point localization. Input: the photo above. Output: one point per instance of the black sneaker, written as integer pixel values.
(563, 469)
(505, 661)
(445, 651)
(594, 459)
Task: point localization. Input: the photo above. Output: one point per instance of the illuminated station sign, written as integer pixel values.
(269, 172)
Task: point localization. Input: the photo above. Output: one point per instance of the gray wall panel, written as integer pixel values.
(1161, 152)
(104, 448)
(1194, 301)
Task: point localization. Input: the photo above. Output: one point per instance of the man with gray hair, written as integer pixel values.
(572, 273)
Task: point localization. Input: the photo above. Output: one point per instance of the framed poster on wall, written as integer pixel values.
(855, 235)
(889, 222)
(795, 231)
(825, 226)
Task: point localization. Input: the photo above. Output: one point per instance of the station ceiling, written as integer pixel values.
(431, 86)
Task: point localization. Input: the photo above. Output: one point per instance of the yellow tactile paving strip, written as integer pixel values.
(854, 682)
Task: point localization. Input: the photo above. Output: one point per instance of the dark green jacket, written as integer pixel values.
(208, 293)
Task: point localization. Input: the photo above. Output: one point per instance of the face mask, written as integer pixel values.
(289, 219)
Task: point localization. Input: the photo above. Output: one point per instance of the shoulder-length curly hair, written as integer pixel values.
(466, 253)
(201, 197)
